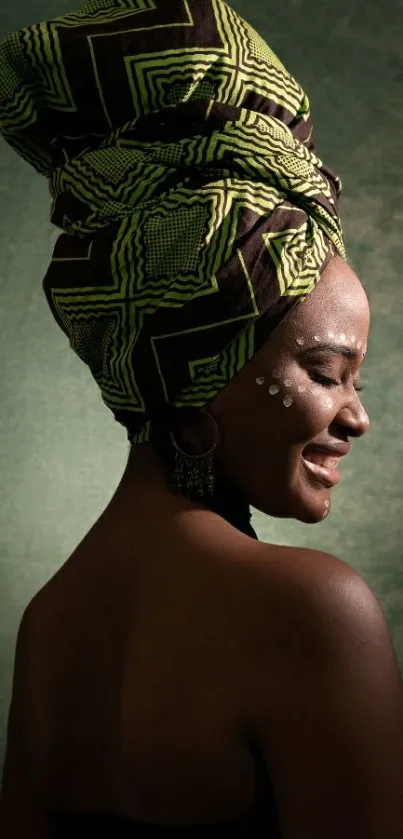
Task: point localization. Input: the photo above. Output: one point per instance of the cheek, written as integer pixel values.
(315, 412)
(300, 409)
(273, 414)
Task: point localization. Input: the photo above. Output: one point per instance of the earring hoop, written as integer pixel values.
(193, 474)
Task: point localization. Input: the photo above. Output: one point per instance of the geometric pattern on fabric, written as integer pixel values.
(194, 209)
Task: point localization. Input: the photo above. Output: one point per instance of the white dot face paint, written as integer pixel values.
(343, 338)
(287, 400)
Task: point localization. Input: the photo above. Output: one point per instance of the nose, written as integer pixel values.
(354, 419)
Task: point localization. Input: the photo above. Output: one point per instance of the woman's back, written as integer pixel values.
(143, 680)
(193, 676)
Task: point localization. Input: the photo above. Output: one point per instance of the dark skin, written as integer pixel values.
(129, 607)
(261, 440)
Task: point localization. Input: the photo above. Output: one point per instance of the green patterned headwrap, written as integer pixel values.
(183, 172)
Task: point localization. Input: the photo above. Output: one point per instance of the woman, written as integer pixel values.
(176, 671)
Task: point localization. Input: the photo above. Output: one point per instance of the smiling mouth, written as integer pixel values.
(328, 476)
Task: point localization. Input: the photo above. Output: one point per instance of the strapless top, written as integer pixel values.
(262, 821)
(80, 825)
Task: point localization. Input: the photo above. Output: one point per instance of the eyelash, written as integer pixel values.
(324, 380)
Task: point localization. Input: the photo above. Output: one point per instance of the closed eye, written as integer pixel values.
(324, 380)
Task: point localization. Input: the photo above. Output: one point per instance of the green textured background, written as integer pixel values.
(62, 453)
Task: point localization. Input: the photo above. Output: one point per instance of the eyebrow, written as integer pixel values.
(338, 349)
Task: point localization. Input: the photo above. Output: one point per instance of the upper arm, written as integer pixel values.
(332, 729)
(21, 813)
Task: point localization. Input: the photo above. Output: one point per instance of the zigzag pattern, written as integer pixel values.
(183, 172)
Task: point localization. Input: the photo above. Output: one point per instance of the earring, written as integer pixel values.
(194, 474)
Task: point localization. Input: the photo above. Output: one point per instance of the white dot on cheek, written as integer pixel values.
(329, 403)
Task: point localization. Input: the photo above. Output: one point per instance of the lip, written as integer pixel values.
(333, 447)
(329, 477)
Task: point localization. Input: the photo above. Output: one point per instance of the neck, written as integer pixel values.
(145, 483)
(232, 506)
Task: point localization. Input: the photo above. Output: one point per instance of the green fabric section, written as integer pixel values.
(183, 172)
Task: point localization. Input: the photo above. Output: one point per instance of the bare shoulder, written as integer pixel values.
(305, 562)
(311, 602)
(305, 577)
(328, 703)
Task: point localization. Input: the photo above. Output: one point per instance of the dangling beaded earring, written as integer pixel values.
(194, 474)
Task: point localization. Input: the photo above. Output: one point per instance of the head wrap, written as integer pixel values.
(183, 172)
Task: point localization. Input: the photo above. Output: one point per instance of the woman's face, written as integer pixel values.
(293, 394)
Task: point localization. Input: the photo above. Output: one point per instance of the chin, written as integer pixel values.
(311, 511)
(296, 506)
(311, 517)
(306, 516)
